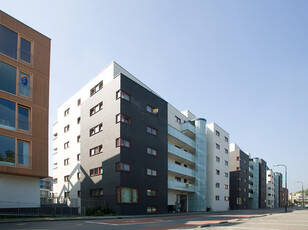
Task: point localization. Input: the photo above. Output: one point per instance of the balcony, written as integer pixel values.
(173, 184)
(250, 195)
(188, 129)
(179, 153)
(250, 187)
(180, 139)
(181, 170)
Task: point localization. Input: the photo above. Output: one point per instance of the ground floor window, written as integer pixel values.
(151, 210)
(127, 195)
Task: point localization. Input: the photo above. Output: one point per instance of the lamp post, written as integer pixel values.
(302, 191)
(285, 184)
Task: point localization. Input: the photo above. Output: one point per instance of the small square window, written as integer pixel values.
(67, 112)
(217, 133)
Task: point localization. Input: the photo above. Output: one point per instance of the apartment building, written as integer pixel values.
(217, 181)
(254, 188)
(270, 189)
(24, 101)
(277, 189)
(117, 143)
(239, 177)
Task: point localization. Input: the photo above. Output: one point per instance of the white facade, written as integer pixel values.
(270, 189)
(14, 189)
(217, 159)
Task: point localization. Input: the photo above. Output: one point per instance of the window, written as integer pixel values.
(66, 194)
(226, 175)
(217, 172)
(151, 209)
(127, 195)
(216, 197)
(238, 158)
(178, 120)
(56, 180)
(25, 50)
(7, 76)
(120, 142)
(24, 84)
(23, 118)
(239, 189)
(123, 167)
(124, 95)
(78, 157)
(226, 198)
(151, 172)
(226, 163)
(66, 145)
(178, 179)
(151, 192)
(226, 186)
(96, 88)
(7, 150)
(151, 151)
(7, 114)
(217, 185)
(152, 110)
(96, 150)
(238, 200)
(96, 129)
(78, 176)
(96, 108)
(217, 159)
(78, 138)
(8, 42)
(122, 118)
(226, 139)
(217, 133)
(217, 146)
(238, 169)
(96, 171)
(177, 163)
(78, 120)
(66, 161)
(239, 179)
(226, 151)
(96, 192)
(152, 130)
(78, 102)
(66, 128)
(66, 112)
(78, 193)
(66, 178)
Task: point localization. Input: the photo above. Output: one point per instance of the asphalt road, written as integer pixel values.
(244, 219)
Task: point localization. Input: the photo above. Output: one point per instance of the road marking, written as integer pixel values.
(128, 222)
(94, 222)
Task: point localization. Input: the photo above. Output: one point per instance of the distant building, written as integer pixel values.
(46, 187)
(284, 197)
(24, 101)
(270, 189)
(278, 189)
(254, 188)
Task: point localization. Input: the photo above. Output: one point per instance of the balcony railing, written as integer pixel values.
(187, 126)
(181, 170)
(181, 137)
(181, 153)
(176, 185)
(16, 125)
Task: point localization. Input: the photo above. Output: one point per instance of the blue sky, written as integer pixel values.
(242, 64)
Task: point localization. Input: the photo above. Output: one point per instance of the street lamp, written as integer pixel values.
(302, 191)
(285, 167)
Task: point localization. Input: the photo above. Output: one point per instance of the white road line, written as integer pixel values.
(92, 222)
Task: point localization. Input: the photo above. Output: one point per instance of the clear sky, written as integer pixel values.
(242, 64)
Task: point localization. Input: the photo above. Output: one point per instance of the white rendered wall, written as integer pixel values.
(270, 186)
(19, 191)
(212, 165)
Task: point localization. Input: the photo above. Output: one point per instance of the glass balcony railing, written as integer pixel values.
(189, 127)
(181, 137)
(181, 153)
(176, 185)
(181, 170)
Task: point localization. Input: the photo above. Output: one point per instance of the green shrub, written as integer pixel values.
(98, 211)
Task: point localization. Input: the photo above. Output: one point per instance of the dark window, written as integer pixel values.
(123, 167)
(123, 94)
(151, 209)
(8, 42)
(66, 194)
(96, 129)
(217, 172)
(127, 195)
(66, 161)
(151, 151)
(151, 172)
(67, 112)
(151, 192)
(217, 185)
(66, 178)
(78, 157)
(23, 153)
(79, 102)
(96, 192)
(24, 84)
(96, 88)
(96, 171)
(96, 150)
(78, 120)
(178, 120)
(96, 108)
(7, 114)
(216, 197)
(226, 151)
(217, 159)
(122, 118)
(226, 175)
(178, 179)
(152, 131)
(177, 163)
(23, 118)
(7, 77)
(78, 139)
(7, 150)
(226, 139)
(122, 142)
(217, 146)
(217, 133)
(66, 128)
(78, 176)
(25, 50)
(66, 145)
(78, 193)
(226, 163)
